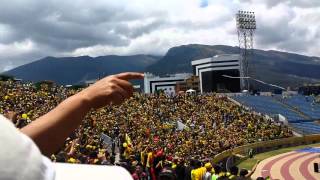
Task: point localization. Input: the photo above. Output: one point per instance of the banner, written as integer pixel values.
(107, 140)
(128, 139)
(181, 126)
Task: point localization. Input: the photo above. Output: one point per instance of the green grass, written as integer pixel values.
(249, 163)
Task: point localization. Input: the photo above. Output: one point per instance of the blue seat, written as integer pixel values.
(276, 105)
(268, 105)
(304, 104)
(307, 127)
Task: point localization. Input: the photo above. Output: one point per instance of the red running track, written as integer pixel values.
(286, 166)
(290, 165)
(267, 168)
(304, 167)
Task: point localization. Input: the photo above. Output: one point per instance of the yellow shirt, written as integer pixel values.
(149, 160)
(197, 174)
(142, 158)
(127, 152)
(193, 174)
(201, 171)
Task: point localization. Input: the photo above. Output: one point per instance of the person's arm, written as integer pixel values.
(50, 130)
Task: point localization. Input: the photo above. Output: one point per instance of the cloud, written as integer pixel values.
(291, 3)
(30, 30)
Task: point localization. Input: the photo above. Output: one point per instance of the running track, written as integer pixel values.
(290, 166)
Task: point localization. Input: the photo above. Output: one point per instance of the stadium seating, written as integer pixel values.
(307, 127)
(288, 107)
(268, 105)
(305, 105)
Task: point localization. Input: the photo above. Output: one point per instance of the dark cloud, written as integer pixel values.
(272, 32)
(70, 25)
(292, 3)
(268, 3)
(304, 3)
(63, 26)
(144, 28)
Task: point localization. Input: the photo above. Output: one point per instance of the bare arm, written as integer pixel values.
(50, 130)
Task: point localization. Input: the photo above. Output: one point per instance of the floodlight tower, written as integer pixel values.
(246, 26)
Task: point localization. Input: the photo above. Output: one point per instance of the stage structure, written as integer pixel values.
(214, 73)
(246, 26)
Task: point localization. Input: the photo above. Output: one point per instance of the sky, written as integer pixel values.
(33, 29)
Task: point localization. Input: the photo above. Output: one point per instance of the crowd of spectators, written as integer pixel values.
(152, 136)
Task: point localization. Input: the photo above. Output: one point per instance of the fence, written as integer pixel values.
(264, 146)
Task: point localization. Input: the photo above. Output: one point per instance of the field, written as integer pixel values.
(249, 163)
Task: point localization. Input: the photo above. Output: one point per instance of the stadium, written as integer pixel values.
(165, 134)
(211, 118)
(183, 129)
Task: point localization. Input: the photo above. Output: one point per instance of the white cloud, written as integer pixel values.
(33, 29)
(17, 47)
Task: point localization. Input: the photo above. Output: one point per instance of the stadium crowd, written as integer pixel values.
(156, 136)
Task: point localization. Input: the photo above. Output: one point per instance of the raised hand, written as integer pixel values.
(112, 89)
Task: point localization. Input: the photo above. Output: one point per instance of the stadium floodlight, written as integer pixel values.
(246, 26)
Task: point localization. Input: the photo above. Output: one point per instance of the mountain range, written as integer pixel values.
(281, 68)
(77, 70)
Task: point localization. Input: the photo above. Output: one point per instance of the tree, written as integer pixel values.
(5, 77)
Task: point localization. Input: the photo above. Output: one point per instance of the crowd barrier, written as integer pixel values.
(264, 146)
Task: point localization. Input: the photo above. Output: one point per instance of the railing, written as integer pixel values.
(265, 146)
